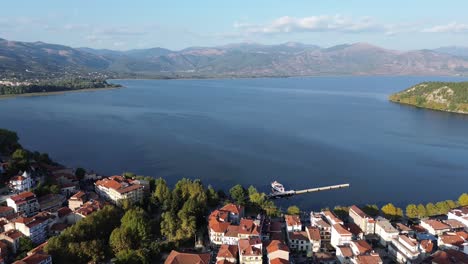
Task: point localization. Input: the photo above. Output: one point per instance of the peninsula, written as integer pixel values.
(442, 96)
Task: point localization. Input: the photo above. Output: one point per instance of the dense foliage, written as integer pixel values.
(8, 141)
(445, 96)
(55, 86)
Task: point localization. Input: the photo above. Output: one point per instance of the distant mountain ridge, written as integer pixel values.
(233, 60)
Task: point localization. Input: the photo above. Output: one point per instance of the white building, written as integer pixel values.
(340, 236)
(460, 214)
(385, 231)
(299, 241)
(277, 250)
(116, 189)
(250, 251)
(435, 227)
(364, 221)
(25, 202)
(313, 233)
(403, 249)
(35, 227)
(293, 223)
(332, 218)
(21, 183)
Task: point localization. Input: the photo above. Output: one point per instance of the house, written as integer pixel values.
(11, 238)
(231, 236)
(228, 253)
(68, 189)
(435, 227)
(218, 224)
(403, 229)
(87, 209)
(277, 250)
(235, 212)
(372, 258)
(299, 242)
(325, 231)
(249, 228)
(455, 225)
(446, 257)
(460, 214)
(340, 235)
(176, 257)
(385, 231)
(293, 223)
(313, 233)
(403, 249)
(116, 189)
(360, 247)
(36, 227)
(21, 183)
(6, 211)
(51, 202)
(355, 230)
(344, 254)
(77, 200)
(25, 202)
(36, 256)
(451, 241)
(250, 251)
(332, 218)
(364, 221)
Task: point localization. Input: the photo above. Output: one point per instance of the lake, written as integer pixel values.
(303, 132)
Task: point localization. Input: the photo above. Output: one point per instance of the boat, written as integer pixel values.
(277, 187)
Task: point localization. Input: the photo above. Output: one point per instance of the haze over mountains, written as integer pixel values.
(235, 60)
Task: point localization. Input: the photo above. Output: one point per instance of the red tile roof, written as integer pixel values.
(342, 230)
(248, 247)
(453, 223)
(78, 196)
(176, 257)
(436, 225)
(346, 251)
(353, 228)
(63, 211)
(452, 240)
(232, 208)
(248, 227)
(298, 235)
(449, 256)
(13, 234)
(24, 196)
(5, 209)
(358, 211)
(232, 231)
(427, 245)
(118, 183)
(90, 207)
(362, 246)
(33, 259)
(276, 245)
(228, 251)
(313, 232)
(369, 259)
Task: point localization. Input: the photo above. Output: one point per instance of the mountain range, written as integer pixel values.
(234, 60)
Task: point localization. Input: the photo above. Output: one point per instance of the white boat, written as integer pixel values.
(277, 187)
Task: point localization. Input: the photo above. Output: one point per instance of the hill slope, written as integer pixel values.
(443, 96)
(234, 60)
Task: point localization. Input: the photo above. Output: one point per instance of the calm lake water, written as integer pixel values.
(303, 132)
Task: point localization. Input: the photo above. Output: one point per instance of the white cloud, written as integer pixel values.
(321, 23)
(453, 27)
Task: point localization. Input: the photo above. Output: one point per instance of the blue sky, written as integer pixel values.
(124, 24)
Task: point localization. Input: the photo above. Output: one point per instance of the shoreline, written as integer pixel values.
(428, 108)
(8, 96)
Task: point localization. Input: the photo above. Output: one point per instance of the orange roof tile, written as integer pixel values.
(232, 208)
(228, 251)
(292, 220)
(176, 257)
(276, 245)
(313, 232)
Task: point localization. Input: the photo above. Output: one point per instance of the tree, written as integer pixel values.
(238, 194)
(130, 256)
(412, 211)
(371, 209)
(431, 209)
(25, 245)
(341, 212)
(212, 195)
(293, 210)
(442, 207)
(451, 204)
(422, 212)
(392, 212)
(8, 141)
(55, 189)
(80, 173)
(463, 199)
(161, 194)
(20, 154)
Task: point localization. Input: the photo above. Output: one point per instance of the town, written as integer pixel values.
(51, 214)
